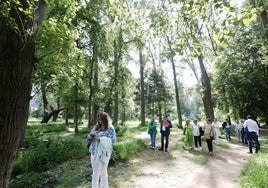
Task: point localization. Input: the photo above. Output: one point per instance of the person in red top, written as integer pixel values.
(164, 130)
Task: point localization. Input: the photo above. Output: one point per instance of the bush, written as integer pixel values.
(46, 154)
(120, 130)
(40, 129)
(125, 151)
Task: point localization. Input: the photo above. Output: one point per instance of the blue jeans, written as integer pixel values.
(228, 134)
(152, 136)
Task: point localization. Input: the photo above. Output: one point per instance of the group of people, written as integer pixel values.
(246, 131)
(101, 138)
(193, 133)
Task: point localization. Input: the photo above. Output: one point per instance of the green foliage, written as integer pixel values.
(158, 94)
(24, 10)
(40, 129)
(45, 154)
(67, 176)
(126, 150)
(120, 130)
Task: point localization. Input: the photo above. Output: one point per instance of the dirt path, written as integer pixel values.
(182, 168)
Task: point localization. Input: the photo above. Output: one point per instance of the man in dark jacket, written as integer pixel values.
(164, 130)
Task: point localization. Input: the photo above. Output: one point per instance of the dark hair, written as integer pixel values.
(105, 119)
(249, 117)
(208, 119)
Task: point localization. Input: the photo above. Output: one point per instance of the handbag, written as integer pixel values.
(201, 131)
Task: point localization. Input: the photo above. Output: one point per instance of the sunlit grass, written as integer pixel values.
(255, 174)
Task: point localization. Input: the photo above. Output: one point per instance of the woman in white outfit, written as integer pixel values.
(101, 137)
(216, 127)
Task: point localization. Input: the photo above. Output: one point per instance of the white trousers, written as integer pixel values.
(99, 173)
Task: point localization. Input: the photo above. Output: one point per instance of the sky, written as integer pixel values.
(187, 78)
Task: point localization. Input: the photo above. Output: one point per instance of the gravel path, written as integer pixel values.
(180, 168)
(222, 170)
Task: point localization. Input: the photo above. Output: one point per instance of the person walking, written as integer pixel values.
(165, 132)
(238, 128)
(152, 131)
(188, 138)
(227, 127)
(253, 133)
(244, 133)
(197, 135)
(102, 138)
(216, 128)
(208, 128)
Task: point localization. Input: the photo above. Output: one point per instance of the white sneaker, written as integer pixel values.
(200, 149)
(195, 149)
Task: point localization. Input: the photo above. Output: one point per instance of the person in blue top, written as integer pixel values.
(164, 130)
(102, 138)
(152, 131)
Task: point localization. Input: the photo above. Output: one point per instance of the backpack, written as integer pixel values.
(201, 131)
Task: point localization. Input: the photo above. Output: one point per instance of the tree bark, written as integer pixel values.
(17, 51)
(176, 86)
(142, 89)
(206, 86)
(116, 80)
(49, 115)
(76, 109)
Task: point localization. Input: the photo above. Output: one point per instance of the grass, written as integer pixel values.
(54, 157)
(255, 174)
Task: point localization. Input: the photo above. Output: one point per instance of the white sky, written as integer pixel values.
(187, 78)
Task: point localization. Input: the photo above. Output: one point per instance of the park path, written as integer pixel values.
(178, 168)
(222, 170)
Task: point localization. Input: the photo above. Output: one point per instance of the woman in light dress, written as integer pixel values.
(216, 127)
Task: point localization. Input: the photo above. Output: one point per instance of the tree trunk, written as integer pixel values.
(205, 81)
(176, 87)
(16, 66)
(45, 101)
(116, 76)
(56, 115)
(76, 109)
(49, 115)
(117, 59)
(66, 116)
(142, 89)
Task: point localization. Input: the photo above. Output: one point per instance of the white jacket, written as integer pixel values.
(103, 150)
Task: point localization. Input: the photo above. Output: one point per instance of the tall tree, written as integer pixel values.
(142, 86)
(18, 24)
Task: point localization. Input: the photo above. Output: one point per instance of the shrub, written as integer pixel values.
(125, 151)
(120, 130)
(40, 129)
(46, 154)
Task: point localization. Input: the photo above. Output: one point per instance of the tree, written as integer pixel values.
(56, 50)
(18, 22)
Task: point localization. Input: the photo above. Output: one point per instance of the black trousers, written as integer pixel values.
(209, 143)
(164, 136)
(253, 140)
(197, 140)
